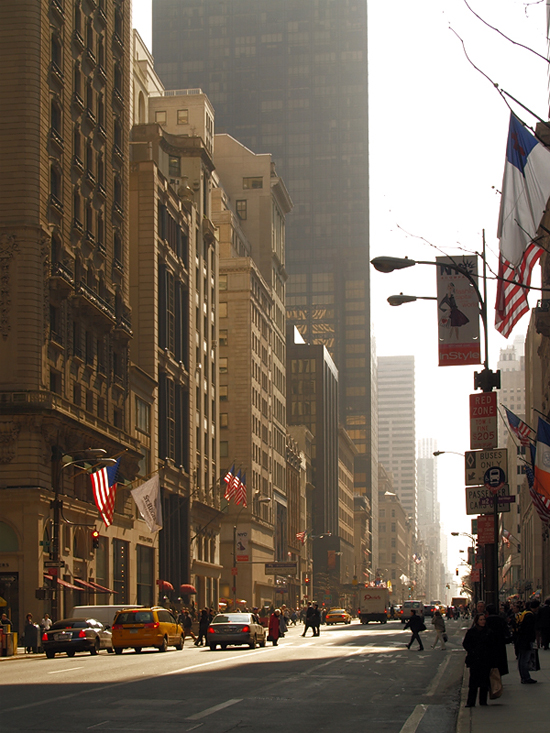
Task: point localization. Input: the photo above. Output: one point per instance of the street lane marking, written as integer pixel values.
(214, 709)
(437, 678)
(413, 721)
(71, 669)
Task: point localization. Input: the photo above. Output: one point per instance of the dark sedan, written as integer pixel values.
(236, 629)
(73, 635)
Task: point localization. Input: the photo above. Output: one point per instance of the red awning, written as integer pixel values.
(165, 585)
(68, 585)
(83, 582)
(187, 589)
(101, 588)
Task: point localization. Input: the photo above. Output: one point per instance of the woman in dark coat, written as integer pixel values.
(500, 637)
(204, 623)
(273, 628)
(478, 644)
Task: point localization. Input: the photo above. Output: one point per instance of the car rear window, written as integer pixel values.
(337, 610)
(70, 623)
(233, 618)
(135, 617)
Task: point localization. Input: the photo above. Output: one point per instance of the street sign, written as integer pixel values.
(474, 495)
(488, 501)
(483, 420)
(234, 571)
(54, 563)
(494, 478)
(486, 527)
(477, 462)
(281, 568)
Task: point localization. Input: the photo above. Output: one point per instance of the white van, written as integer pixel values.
(408, 606)
(103, 614)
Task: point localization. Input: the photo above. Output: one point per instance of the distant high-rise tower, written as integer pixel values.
(396, 428)
(289, 77)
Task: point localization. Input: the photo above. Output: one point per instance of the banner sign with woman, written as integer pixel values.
(458, 312)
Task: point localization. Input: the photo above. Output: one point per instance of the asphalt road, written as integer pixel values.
(350, 679)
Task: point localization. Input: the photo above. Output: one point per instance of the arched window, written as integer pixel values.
(8, 538)
(55, 249)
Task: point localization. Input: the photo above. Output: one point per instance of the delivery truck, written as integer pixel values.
(374, 604)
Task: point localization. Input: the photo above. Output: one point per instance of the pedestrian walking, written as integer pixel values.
(416, 625)
(524, 640)
(307, 619)
(204, 623)
(274, 628)
(316, 620)
(30, 635)
(46, 623)
(438, 622)
(544, 624)
(187, 624)
(479, 660)
(283, 626)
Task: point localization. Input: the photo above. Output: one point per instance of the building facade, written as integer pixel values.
(66, 382)
(396, 428)
(290, 79)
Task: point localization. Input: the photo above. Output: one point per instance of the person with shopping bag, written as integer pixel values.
(479, 660)
(438, 622)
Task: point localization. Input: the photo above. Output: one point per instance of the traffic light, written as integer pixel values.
(95, 539)
(306, 580)
(457, 571)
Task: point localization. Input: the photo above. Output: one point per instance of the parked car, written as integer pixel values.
(143, 627)
(71, 635)
(337, 616)
(429, 610)
(236, 629)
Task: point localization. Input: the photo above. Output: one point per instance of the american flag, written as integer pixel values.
(519, 428)
(240, 491)
(512, 301)
(104, 489)
(525, 192)
(233, 486)
(229, 478)
(301, 536)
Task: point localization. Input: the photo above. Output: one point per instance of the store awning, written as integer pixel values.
(187, 589)
(165, 585)
(85, 584)
(68, 585)
(101, 588)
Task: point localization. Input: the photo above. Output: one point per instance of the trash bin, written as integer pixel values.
(31, 638)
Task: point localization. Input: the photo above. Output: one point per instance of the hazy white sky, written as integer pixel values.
(438, 133)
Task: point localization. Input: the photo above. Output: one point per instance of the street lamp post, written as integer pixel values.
(78, 458)
(486, 380)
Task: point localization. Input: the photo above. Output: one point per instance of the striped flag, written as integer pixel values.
(525, 192)
(240, 491)
(104, 489)
(232, 486)
(540, 502)
(519, 428)
(301, 536)
(229, 478)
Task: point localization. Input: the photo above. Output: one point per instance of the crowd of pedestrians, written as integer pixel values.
(526, 625)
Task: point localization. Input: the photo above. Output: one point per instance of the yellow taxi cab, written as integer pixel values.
(337, 616)
(144, 627)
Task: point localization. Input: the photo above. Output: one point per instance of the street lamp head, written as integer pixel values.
(400, 299)
(389, 264)
(455, 534)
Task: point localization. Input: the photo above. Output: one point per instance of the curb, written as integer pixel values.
(464, 719)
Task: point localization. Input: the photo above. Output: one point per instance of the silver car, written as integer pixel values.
(236, 629)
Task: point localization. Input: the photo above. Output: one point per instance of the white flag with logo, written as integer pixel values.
(147, 498)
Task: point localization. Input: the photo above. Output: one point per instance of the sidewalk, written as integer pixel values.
(521, 707)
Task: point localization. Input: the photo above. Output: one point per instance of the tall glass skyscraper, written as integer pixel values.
(289, 77)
